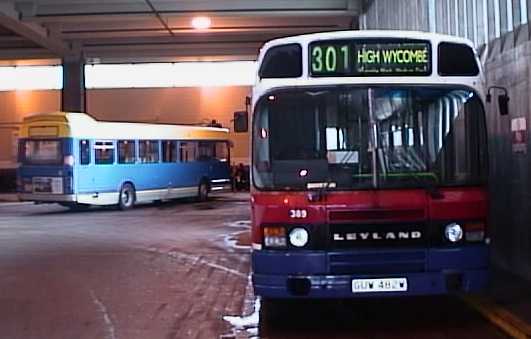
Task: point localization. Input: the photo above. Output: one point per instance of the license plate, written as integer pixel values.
(47, 185)
(379, 285)
(42, 185)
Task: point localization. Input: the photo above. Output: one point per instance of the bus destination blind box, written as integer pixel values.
(370, 58)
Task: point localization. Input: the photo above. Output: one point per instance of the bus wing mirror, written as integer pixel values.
(503, 99)
(503, 104)
(241, 122)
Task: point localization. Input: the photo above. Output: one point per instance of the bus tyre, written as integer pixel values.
(202, 191)
(127, 197)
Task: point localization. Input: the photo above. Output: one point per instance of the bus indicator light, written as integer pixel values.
(275, 236)
(474, 231)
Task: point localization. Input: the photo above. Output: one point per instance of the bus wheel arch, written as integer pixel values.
(203, 189)
(127, 196)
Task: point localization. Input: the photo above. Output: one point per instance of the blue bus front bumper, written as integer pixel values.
(319, 274)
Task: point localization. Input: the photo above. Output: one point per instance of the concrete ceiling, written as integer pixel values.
(160, 30)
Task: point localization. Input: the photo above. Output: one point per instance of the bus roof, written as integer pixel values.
(416, 35)
(82, 125)
(265, 85)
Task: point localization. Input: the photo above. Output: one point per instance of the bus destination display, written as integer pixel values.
(355, 58)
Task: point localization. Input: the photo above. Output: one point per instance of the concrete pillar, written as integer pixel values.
(73, 97)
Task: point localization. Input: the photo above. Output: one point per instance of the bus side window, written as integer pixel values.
(126, 152)
(169, 151)
(104, 152)
(84, 152)
(187, 151)
(222, 151)
(148, 151)
(206, 150)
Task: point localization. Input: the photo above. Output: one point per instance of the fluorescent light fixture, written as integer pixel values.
(180, 74)
(31, 78)
(201, 22)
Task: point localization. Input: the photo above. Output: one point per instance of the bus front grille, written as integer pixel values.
(377, 262)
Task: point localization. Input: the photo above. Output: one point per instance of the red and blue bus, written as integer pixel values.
(369, 166)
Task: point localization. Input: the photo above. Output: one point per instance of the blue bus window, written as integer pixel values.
(169, 151)
(104, 152)
(84, 152)
(206, 150)
(43, 152)
(187, 151)
(222, 151)
(126, 152)
(148, 151)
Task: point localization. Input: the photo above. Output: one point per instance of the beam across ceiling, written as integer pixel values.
(9, 18)
(159, 17)
(131, 29)
(47, 10)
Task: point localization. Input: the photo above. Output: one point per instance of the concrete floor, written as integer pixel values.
(173, 271)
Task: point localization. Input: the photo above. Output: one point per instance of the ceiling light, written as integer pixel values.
(201, 22)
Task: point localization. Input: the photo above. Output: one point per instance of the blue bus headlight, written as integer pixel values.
(298, 237)
(453, 232)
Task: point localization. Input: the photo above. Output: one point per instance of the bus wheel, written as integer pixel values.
(127, 197)
(202, 191)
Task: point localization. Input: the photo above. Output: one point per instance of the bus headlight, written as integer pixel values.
(453, 232)
(275, 237)
(298, 237)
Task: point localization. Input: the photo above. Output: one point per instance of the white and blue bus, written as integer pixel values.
(77, 161)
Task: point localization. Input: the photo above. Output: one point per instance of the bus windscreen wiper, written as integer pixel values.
(323, 189)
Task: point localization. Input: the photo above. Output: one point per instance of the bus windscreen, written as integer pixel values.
(357, 58)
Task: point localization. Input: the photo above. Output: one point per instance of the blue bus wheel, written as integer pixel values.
(202, 191)
(127, 197)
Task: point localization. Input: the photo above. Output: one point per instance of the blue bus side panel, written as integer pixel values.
(109, 178)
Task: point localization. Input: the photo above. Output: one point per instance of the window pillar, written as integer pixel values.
(73, 96)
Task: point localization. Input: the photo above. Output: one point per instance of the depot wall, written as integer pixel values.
(14, 106)
(164, 105)
(175, 105)
(510, 168)
(505, 50)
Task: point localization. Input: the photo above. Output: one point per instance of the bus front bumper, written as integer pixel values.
(318, 274)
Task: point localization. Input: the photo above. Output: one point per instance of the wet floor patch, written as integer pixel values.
(246, 325)
(240, 239)
(205, 206)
